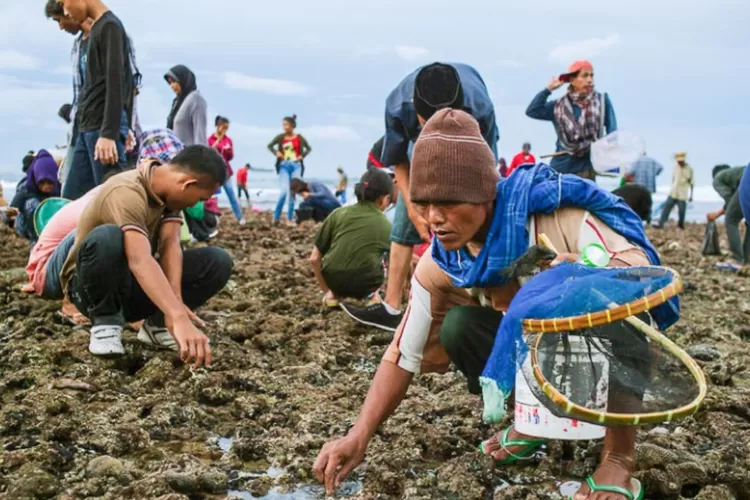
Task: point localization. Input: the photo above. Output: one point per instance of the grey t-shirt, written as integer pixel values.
(191, 121)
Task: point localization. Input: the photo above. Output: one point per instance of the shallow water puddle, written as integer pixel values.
(308, 492)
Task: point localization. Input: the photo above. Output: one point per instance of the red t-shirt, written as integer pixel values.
(242, 176)
(520, 159)
(292, 148)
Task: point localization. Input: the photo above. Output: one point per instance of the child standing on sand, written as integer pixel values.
(347, 258)
(290, 149)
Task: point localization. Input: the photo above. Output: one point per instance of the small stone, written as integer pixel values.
(704, 352)
(76, 385)
(105, 466)
(214, 396)
(182, 482)
(659, 431)
(719, 492)
(34, 484)
(649, 456)
(214, 481)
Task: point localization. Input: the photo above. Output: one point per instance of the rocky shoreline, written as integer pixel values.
(287, 376)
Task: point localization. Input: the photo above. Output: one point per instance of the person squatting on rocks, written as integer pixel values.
(318, 201)
(220, 141)
(581, 117)
(683, 185)
(290, 149)
(105, 106)
(454, 186)
(112, 274)
(419, 96)
(39, 184)
(347, 258)
(727, 182)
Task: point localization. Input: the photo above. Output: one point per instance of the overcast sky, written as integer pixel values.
(677, 72)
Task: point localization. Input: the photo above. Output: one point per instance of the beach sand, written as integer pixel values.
(288, 376)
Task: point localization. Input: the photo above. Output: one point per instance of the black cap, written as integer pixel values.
(436, 87)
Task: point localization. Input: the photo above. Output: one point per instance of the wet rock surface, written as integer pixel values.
(287, 376)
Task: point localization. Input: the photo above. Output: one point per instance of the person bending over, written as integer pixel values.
(318, 199)
(414, 101)
(112, 274)
(458, 293)
(39, 184)
(347, 258)
(727, 182)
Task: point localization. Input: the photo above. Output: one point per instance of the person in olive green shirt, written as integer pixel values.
(727, 183)
(347, 258)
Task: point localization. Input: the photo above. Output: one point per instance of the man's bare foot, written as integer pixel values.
(611, 472)
(494, 448)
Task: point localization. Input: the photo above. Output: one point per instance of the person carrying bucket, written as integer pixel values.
(459, 294)
(581, 117)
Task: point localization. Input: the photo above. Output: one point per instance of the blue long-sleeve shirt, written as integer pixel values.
(543, 109)
(401, 124)
(322, 195)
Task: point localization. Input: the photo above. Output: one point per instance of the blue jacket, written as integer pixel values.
(402, 126)
(322, 196)
(543, 109)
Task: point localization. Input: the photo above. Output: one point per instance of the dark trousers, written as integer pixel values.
(106, 292)
(242, 189)
(668, 206)
(202, 229)
(467, 335)
(85, 172)
(732, 217)
(319, 209)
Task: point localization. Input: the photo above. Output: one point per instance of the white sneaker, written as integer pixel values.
(106, 341)
(157, 337)
(243, 222)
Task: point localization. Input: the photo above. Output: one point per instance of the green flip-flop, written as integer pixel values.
(637, 494)
(528, 447)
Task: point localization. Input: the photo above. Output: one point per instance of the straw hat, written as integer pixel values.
(680, 156)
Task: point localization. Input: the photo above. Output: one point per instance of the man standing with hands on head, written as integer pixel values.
(105, 105)
(417, 98)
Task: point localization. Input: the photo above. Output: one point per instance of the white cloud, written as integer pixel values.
(14, 60)
(271, 86)
(409, 53)
(583, 49)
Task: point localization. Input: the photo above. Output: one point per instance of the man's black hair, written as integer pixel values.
(202, 161)
(718, 169)
(527, 144)
(292, 120)
(298, 186)
(53, 9)
(638, 198)
(27, 161)
(221, 119)
(65, 111)
(437, 86)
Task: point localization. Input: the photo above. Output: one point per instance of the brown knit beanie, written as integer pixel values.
(452, 162)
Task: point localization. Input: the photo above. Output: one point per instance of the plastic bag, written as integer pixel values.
(616, 151)
(711, 240)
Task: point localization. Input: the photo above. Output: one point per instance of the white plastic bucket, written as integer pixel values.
(534, 419)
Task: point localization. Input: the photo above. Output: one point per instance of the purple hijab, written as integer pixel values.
(44, 168)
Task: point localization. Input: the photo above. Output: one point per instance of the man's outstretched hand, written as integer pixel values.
(194, 346)
(337, 459)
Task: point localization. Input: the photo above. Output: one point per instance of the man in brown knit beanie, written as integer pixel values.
(414, 101)
(455, 311)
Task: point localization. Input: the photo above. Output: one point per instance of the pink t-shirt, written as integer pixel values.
(54, 232)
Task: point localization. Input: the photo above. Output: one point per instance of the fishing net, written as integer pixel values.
(617, 150)
(587, 343)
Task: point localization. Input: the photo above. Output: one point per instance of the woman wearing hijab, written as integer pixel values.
(40, 183)
(220, 141)
(581, 117)
(188, 118)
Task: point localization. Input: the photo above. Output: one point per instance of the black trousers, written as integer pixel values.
(106, 292)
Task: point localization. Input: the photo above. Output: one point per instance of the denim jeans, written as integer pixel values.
(106, 292)
(320, 209)
(85, 172)
(732, 217)
(668, 206)
(25, 220)
(288, 170)
(229, 190)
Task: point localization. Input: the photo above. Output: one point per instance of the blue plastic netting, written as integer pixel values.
(565, 291)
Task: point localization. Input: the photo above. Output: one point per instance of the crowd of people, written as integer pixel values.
(112, 250)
